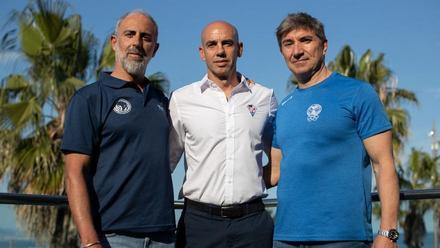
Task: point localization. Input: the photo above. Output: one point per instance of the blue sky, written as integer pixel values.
(406, 31)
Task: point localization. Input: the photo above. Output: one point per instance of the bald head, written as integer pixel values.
(218, 26)
(220, 49)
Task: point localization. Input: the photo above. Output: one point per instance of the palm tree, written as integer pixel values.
(60, 56)
(422, 173)
(32, 106)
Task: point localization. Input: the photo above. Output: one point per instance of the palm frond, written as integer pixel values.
(107, 59)
(160, 81)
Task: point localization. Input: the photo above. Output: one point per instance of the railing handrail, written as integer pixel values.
(59, 200)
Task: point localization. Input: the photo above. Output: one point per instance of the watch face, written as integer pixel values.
(393, 234)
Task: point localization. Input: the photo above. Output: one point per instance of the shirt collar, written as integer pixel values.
(110, 81)
(243, 86)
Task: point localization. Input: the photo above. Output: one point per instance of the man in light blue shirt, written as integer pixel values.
(326, 133)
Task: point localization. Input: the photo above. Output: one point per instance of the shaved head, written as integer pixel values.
(216, 25)
(220, 49)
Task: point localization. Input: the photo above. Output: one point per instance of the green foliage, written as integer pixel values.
(107, 58)
(422, 174)
(59, 54)
(61, 57)
(160, 82)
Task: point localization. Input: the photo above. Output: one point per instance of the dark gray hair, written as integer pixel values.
(300, 20)
(137, 11)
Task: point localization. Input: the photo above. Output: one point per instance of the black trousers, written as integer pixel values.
(198, 229)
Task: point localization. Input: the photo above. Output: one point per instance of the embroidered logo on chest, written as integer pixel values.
(252, 109)
(122, 107)
(313, 112)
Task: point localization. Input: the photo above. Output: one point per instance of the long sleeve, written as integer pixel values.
(177, 134)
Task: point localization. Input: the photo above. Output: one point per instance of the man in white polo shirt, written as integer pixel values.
(223, 124)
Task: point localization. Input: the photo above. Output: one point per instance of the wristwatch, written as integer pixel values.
(392, 234)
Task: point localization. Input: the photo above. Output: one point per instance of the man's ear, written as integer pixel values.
(155, 49)
(113, 41)
(240, 49)
(325, 44)
(202, 53)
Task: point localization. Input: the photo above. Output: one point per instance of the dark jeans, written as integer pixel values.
(336, 244)
(198, 229)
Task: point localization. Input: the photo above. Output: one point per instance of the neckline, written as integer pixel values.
(318, 85)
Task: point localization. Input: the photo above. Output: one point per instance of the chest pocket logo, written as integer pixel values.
(122, 107)
(252, 109)
(313, 112)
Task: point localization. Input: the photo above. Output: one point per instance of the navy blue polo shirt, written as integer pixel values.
(125, 131)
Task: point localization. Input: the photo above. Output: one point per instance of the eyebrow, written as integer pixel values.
(221, 41)
(134, 31)
(308, 36)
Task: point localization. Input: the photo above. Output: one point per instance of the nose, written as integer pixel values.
(220, 51)
(137, 41)
(297, 52)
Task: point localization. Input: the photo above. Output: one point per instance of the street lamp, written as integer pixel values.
(434, 142)
(434, 149)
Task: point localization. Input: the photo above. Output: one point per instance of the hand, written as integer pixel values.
(383, 242)
(250, 81)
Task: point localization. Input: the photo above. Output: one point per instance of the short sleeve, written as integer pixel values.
(274, 139)
(80, 127)
(371, 118)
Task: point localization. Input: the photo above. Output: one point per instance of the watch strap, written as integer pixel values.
(383, 233)
(391, 234)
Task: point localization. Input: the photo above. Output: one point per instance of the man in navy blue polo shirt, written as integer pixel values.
(116, 148)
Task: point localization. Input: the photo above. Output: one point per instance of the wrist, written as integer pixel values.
(388, 224)
(92, 244)
(392, 234)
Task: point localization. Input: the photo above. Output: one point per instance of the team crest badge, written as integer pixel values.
(122, 107)
(313, 112)
(252, 109)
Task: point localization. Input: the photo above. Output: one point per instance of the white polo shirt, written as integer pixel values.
(222, 139)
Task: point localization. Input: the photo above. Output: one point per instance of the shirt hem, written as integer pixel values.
(150, 229)
(321, 238)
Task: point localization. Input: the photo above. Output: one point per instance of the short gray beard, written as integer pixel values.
(136, 68)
